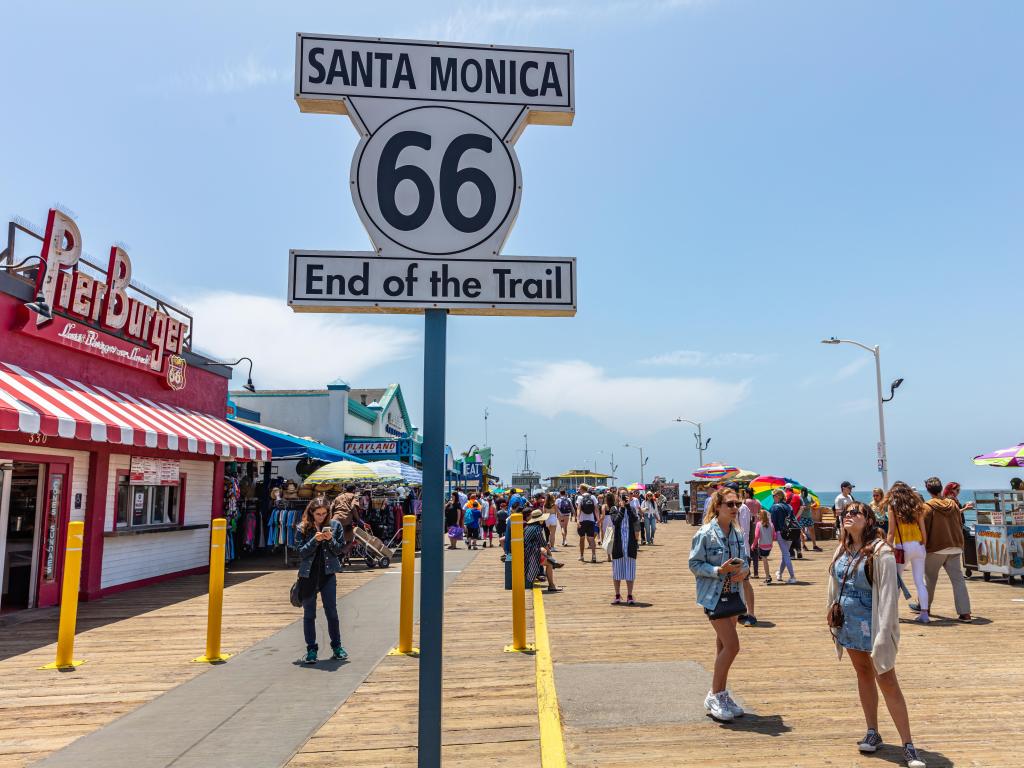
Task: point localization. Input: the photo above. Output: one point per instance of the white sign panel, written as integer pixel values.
(329, 67)
(353, 281)
(435, 178)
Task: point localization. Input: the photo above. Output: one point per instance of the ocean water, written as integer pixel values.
(966, 495)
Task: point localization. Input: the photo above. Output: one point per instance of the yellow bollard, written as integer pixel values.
(218, 537)
(408, 589)
(515, 530)
(69, 599)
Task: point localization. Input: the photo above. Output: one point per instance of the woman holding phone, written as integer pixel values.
(719, 560)
(320, 540)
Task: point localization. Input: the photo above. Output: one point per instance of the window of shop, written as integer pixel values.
(140, 506)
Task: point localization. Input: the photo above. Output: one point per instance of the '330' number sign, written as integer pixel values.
(436, 180)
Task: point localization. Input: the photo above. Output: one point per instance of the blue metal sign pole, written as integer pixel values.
(432, 551)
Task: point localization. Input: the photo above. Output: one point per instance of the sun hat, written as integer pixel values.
(537, 516)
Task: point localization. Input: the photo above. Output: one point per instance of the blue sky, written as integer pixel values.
(744, 178)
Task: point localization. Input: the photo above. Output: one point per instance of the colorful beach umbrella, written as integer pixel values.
(763, 486)
(1007, 457)
(716, 472)
(636, 487)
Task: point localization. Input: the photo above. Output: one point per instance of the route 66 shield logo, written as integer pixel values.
(176, 367)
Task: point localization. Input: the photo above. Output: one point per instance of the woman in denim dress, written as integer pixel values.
(863, 583)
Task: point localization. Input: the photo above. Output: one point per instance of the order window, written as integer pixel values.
(142, 505)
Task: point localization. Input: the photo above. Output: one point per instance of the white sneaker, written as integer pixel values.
(736, 709)
(791, 580)
(717, 706)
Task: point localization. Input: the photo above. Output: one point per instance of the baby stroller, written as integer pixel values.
(373, 551)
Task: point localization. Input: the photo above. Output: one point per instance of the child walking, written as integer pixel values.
(471, 519)
(764, 535)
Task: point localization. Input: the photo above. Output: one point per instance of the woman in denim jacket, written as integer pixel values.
(320, 541)
(713, 554)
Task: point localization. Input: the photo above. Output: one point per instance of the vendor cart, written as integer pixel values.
(999, 534)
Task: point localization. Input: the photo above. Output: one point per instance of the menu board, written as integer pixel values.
(146, 471)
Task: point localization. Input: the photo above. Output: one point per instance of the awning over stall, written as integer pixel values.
(286, 446)
(35, 402)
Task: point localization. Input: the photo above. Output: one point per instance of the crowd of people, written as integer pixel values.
(615, 520)
(877, 541)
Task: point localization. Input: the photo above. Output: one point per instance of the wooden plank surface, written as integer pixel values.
(137, 645)
(963, 683)
(490, 699)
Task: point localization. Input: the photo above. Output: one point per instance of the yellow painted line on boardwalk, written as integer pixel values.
(552, 746)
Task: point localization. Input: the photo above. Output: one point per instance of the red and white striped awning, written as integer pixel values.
(37, 402)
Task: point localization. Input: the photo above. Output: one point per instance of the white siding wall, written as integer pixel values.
(80, 472)
(131, 558)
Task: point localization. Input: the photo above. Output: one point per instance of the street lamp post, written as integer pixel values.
(643, 461)
(883, 458)
(699, 436)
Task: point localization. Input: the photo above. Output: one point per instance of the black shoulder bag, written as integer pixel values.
(729, 603)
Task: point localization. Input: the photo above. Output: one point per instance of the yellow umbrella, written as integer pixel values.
(342, 471)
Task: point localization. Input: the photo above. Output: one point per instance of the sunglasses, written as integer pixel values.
(732, 504)
(851, 513)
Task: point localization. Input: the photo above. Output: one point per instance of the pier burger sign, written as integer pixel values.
(435, 178)
(99, 316)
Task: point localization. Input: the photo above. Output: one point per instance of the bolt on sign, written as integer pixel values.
(435, 177)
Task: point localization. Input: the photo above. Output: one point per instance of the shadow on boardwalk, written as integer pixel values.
(26, 631)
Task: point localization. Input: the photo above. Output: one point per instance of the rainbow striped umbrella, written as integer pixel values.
(763, 486)
(1007, 457)
(716, 472)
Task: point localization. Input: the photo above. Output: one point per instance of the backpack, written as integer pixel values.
(587, 505)
(564, 505)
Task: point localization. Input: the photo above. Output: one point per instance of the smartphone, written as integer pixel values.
(326, 529)
(736, 561)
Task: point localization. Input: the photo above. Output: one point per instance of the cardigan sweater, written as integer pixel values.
(885, 614)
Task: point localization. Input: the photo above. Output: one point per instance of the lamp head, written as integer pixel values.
(39, 306)
(248, 385)
(830, 340)
(896, 384)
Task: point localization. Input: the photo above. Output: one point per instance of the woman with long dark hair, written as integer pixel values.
(320, 540)
(624, 546)
(719, 559)
(864, 619)
(910, 537)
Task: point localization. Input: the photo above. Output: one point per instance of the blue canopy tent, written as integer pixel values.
(285, 446)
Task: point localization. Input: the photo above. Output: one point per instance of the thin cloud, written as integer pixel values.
(231, 77)
(477, 21)
(694, 358)
(860, 405)
(239, 76)
(631, 405)
(851, 368)
(293, 350)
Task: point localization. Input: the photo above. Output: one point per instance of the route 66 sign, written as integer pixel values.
(435, 178)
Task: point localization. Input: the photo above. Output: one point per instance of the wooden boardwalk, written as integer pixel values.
(803, 702)
(137, 645)
(963, 683)
(490, 699)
